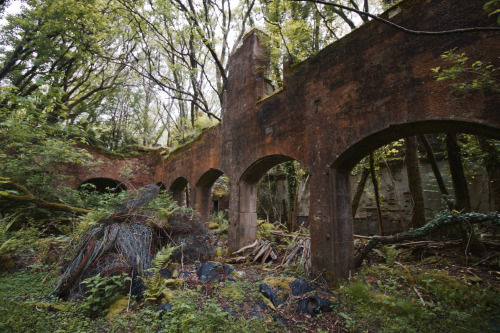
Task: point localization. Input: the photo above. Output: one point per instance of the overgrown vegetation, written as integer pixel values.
(412, 289)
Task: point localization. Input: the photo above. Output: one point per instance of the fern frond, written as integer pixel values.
(162, 257)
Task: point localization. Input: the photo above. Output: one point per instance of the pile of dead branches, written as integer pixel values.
(127, 241)
(298, 251)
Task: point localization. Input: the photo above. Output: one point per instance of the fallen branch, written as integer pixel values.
(419, 295)
(251, 246)
(445, 220)
(27, 196)
(362, 237)
(235, 260)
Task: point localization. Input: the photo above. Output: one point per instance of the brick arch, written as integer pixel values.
(341, 229)
(371, 141)
(86, 174)
(203, 191)
(244, 219)
(180, 191)
(102, 183)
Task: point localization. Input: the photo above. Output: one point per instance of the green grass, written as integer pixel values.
(380, 298)
(24, 307)
(383, 299)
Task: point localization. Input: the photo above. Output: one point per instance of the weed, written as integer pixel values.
(102, 291)
(220, 223)
(389, 253)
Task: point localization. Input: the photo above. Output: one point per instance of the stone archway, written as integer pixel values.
(341, 229)
(203, 192)
(243, 220)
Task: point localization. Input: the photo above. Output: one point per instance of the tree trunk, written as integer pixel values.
(414, 182)
(492, 164)
(396, 193)
(461, 191)
(377, 195)
(437, 172)
(29, 197)
(462, 198)
(359, 190)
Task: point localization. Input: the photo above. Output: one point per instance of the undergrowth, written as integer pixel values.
(386, 298)
(395, 293)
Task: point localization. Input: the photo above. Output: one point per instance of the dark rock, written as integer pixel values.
(213, 270)
(260, 304)
(314, 305)
(138, 286)
(105, 328)
(226, 309)
(164, 307)
(165, 273)
(184, 274)
(54, 295)
(270, 294)
(299, 287)
(257, 310)
(279, 319)
(161, 330)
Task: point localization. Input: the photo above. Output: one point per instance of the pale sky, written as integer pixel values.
(14, 7)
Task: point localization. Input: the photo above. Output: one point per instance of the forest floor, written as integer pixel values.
(423, 286)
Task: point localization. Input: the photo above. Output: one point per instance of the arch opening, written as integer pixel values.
(396, 185)
(162, 187)
(348, 159)
(180, 191)
(212, 193)
(264, 193)
(103, 185)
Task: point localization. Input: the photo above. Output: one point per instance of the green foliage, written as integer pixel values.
(493, 7)
(156, 290)
(25, 242)
(189, 133)
(184, 318)
(392, 152)
(474, 157)
(190, 316)
(31, 145)
(219, 219)
(389, 253)
(5, 239)
(101, 292)
(221, 187)
(162, 258)
(23, 295)
(264, 229)
(467, 77)
(386, 297)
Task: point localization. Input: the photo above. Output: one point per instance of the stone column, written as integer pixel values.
(201, 199)
(242, 214)
(342, 240)
(332, 247)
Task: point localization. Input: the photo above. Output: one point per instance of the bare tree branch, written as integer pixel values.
(409, 31)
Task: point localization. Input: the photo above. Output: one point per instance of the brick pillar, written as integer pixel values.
(342, 240)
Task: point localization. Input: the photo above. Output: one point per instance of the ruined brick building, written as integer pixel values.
(369, 88)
